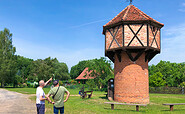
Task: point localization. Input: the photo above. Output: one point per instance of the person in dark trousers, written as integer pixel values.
(40, 97)
(57, 94)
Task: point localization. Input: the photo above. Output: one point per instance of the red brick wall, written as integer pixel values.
(131, 80)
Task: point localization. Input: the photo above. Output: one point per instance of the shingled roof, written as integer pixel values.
(85, 75)
(131, 14)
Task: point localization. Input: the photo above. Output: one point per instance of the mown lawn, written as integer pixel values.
(95, 105)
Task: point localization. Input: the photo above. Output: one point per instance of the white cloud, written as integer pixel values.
(182, 10)
(183, 4)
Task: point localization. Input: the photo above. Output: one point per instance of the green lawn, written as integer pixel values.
(96, 104)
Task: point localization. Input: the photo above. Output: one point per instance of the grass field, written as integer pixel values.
(76, 105)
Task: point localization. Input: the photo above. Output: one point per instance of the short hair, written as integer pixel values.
(41, 82)
(55, 82)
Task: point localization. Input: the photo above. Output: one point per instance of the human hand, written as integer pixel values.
(65, 101)
(52, 102)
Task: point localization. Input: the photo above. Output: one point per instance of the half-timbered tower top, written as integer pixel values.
(132, 14)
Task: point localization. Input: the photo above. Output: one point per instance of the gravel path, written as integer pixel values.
(15, 103)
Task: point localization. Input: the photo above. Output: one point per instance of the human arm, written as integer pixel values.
(42, 99)
(49, 100)
(68, 94)
(48, 81)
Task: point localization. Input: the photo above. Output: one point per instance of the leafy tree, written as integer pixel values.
(77, 69)
(156, 80)
(173, 73)
(61, 71)
(44, 69)
(24, 67)
(7, 58)
(102, 71)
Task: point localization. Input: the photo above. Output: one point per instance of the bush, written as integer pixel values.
(60, 83)
(24, 85)
(166, 90)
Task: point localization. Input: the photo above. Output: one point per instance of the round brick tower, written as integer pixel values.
(132, 39)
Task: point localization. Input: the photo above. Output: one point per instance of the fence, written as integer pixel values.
(167, 90)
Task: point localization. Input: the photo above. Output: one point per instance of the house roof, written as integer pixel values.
(85, 75)
(131, 14)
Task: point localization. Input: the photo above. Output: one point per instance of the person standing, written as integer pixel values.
(40, 97)
(58, 96)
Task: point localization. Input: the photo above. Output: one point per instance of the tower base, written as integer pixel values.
(131, 80)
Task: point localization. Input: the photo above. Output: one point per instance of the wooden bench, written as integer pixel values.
(85, 94)
(89, 95)
(172, 104)
(106, 95)
(115, 103)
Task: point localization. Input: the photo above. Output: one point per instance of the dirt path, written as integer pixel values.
(15, 103)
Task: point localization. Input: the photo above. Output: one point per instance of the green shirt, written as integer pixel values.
(59, 97)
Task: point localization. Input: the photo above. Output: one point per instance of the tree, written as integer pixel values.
(23, 67)
(77, 69)
(61, 71)
(44, 69)
(173, 73)
(156, 80)
(7, 58)
(102, 71)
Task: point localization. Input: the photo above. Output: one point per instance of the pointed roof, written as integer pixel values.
(85, 75)
(131, 14)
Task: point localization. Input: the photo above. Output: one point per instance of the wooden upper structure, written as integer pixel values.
(132, 31)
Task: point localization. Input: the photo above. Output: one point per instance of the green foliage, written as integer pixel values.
(7, 58)
(60, 83)
(102, 71)
(182, 84)
(44, 69)
(77, 69)
(91, 83)
(156, 80)
(173, 73)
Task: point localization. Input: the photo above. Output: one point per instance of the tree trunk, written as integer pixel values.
(2, 84)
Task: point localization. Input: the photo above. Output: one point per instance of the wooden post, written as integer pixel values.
(137, 108)
(112, 106)
(171, 107)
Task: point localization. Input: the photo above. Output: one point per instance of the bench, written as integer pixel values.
(89, 95)
(115, 103)
(106, 95)
(85, 94)
(172, 104)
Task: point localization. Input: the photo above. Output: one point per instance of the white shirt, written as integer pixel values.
(39, 93)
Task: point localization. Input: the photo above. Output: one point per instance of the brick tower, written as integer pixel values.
(132, 39)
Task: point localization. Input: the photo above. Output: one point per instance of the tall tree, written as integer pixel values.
(102, 71)
(7, 57)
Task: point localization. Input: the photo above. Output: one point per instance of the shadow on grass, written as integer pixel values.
(103, 97)
(168, 110)
(120, 109)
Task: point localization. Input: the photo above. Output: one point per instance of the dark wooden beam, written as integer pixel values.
(135, 35)
(118, 53)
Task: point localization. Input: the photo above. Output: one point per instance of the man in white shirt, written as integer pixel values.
(40, 97)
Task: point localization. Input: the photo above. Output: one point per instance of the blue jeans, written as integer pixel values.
(57, 109)
(40, 108)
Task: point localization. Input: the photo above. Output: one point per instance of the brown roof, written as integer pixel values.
(85, 75)
(131, 14)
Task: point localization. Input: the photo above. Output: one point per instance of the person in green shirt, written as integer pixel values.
(57, 94)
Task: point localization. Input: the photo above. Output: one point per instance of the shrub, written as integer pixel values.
(24, 85)
(60, 83)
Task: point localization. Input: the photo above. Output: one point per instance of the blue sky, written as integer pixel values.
(71, 30)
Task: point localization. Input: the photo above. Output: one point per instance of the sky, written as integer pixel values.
(71, 30)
